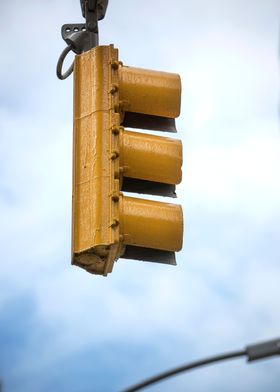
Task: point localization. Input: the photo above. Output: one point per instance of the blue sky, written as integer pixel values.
(64, 329)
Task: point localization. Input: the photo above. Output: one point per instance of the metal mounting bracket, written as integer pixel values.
(81, 37)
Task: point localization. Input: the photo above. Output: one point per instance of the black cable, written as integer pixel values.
(253, 352)
(184, 368)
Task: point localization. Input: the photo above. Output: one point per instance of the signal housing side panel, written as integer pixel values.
(94, 232)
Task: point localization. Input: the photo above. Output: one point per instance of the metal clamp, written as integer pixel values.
(81, 37)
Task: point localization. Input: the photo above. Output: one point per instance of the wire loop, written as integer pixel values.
(60, 62)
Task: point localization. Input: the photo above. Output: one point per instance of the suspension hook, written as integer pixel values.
(81, 37)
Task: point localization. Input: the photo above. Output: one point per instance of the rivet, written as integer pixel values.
(115, 130)
(115, 64)
(114, 223)
(114, 88)
(114, 154)
(115, 197)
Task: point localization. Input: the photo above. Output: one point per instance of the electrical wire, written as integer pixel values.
(189, 366)
(253, 352)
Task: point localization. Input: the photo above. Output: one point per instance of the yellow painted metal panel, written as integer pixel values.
(94, 212)
(150, 92)
(152, 158)
(151, 224)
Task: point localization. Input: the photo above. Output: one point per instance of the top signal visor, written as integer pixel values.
(150, 99)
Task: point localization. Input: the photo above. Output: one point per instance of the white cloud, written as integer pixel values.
(244, 178)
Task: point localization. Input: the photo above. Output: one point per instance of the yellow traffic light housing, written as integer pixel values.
(109, 159)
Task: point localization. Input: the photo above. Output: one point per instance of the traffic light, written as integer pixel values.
(109, 160)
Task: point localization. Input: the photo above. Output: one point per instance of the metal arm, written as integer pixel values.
(81, 37)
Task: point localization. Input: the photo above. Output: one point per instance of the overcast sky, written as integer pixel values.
(64, 329)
